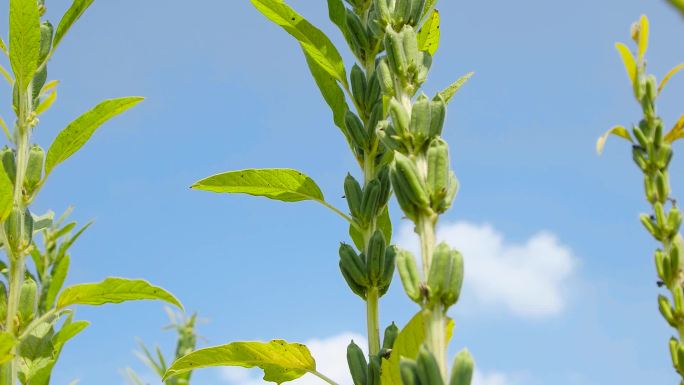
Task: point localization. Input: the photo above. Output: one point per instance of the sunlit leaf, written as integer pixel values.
(70, 16)
(617, 131)
(281, 361)
(7, 342)
(113, 290)
(677, 132)
(669, 75)
(628, 61)
(428, 36)
(643, 37)
(450, 91)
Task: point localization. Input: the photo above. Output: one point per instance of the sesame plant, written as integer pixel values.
(652, 153)
(186, 342)
(37, 311)
(394, 133)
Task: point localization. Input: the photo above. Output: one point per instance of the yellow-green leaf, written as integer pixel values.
(276, 183)
(669, 75)
(617, 131)
(628, 61)
(24, 40)
(113, 290)
(46, 103)
(6, 194)
(7, 76)
(281, 361)
(77, 133)
(70, 16)
(407, 344)
(643, 37)
(450, 91)
(677, 132)
(7, 342)
(428, 36)
(314, 42)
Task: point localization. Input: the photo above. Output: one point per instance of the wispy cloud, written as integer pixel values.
(529, 278)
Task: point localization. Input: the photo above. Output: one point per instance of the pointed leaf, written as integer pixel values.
(677, 132)
(669, 75)
(428, 36)
(429, 5)
(314, 42)
(450, 91)
(628, 61)
(46, 103)
(6, 194)
(407, 344)
(8, 77)
(280, 184)
(69, 330)
(58, 274)
(113, 290)
(7, 342)
(24, 40)
(617, 131)
(77, 133)
(337, 13)
(643, 37)
(72, 14)
(281, 361)
(331, 92)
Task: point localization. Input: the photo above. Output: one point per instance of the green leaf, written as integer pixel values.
(69, 330)
(643, 37)
(314, 42)
(24, 40)
(337, 13)
(70, 16)
(428, 36)
(281, 361)
(331, 92)
(7, 342)
(407, 344)
(280, 184)
(429, 5)
(679, 4)
(58, 275)
(77, 133)
(450, 91)
(36, 353)
(6, 194)
(628, 61)
(113, 290)
(3, 47)
(617, 131)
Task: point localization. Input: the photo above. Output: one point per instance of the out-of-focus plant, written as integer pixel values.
(33, 303)
(679, 4)
(394, 133)
(652, 153)
(186, 342)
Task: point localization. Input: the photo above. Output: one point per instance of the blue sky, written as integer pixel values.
(227, 90)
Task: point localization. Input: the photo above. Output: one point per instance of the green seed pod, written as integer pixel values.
(666, 310)
(438, 171)
(358, 367)
(462, 371)
(34, 169)
(639, 157)
(661, 219)
(385, 77)
(359, 86)
(674, 259)
(395, 53)
(678, 297)
(385, 184)
(408, 272)
(651, 87)
(402, 191)
(375, 258)
(400, 117)
(663, 156)
(640, 137)
(438, 111)
(353, 285)
(373, 92)
(662, 186)
(650, 226)
(420, 121)
(407, 172)
(46, 31)
(446, 275)
(371, 126)
(353, 264)
(374, 371)
(402, 11)
(9, 163)
(388, 269)
(650, 189)
(428, 369)
(674, 345)
(384, 14)
(357, 32)
(388, 136)
(19, 229)
(371, 200)
(356, 130)
(660, 265)
(674, 221)
(417, 7)
(28, 300)
(391, 333)
(421, 73)
(410, 43)
(354, 194)
(680, 358)
(409, 372)
(452, 190)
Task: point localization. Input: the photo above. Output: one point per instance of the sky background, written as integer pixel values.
(560, 286)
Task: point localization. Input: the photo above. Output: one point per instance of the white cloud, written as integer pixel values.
(493, 378)
(331, 359)
(528, 278)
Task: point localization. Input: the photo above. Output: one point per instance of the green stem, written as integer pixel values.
(16, 278)
(436, 339)
(323, 377)
(372, 321)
